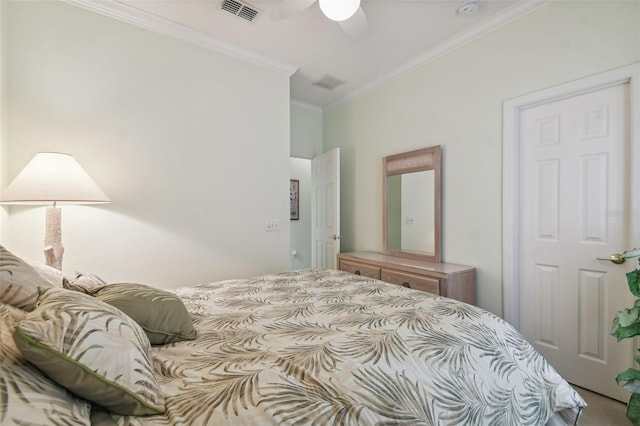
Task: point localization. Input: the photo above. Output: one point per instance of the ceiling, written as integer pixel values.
(400, 35)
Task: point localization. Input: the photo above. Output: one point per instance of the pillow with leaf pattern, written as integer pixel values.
(161, 314)
(20, 279)
(92, 349)
(28, 396)
(84, 283)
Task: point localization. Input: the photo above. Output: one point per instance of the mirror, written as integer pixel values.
(411, 197)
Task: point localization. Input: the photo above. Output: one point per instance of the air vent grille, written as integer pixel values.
(240, 9)
(329, 82)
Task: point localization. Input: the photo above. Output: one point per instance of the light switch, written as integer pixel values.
(272, 225)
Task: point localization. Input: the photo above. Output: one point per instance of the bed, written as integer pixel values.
(310, 347)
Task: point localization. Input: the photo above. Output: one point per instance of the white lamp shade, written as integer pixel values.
(339, 10)
(53, 177)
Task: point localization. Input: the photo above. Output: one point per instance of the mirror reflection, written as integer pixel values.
(411, 210)
(410, 215)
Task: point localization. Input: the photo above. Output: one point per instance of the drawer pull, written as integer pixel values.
(357, 272)
(406, 284)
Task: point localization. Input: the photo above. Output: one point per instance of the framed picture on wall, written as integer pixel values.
(294, 198)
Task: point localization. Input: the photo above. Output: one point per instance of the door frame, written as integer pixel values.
(510, 176)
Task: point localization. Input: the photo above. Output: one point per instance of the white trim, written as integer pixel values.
(307, 106)
(510, 157)
(123, 12)
(461, 39)
(132, 15)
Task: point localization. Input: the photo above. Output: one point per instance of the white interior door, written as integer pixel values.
(575, 191)
(325, 209)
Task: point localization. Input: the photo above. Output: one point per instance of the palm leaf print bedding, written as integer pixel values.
(324, 347)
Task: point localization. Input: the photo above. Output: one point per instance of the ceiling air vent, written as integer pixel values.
(328, 82)
(240, 9)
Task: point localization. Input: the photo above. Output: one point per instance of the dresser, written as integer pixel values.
(445, 279)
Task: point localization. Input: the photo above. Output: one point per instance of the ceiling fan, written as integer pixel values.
(347, 13)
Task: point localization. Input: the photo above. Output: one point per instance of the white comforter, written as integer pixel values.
(323, 347)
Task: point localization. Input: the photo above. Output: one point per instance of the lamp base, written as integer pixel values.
(53, 249)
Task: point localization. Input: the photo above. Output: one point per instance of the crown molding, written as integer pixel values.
(134, 16)
(304, 105)
(507, 16)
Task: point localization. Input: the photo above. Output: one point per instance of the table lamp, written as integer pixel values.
(51, 178)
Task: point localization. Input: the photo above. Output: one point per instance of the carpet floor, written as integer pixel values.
(602, 411)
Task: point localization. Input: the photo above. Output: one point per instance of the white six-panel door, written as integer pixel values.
(574, 198)
(325, 209)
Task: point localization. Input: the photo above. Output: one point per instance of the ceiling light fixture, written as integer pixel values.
(339, 10)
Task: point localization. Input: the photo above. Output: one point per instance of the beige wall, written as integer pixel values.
(456, 102)
(3, 124)
(306, 130)
(192, 147)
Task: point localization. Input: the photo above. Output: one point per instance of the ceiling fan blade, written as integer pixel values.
(356, 25)
(288, 8)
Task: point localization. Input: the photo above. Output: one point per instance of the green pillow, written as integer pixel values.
(92, 349)
(161, 314)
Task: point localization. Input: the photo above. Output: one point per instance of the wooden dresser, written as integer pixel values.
(445, 279)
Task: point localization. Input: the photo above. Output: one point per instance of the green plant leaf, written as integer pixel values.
(633, 278)
(628, 254)
(632, 378)
(633, 409)
(624, 332)
(626, 322)
(627, 317)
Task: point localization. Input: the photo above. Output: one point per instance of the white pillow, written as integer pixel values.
(84, 283)
(93, 349)
(28, 396)
(20, 279)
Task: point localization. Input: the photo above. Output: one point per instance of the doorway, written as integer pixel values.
(315, 234)
(300, 245)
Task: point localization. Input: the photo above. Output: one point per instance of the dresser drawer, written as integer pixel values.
(444, 279)
(360, 269)
(417, 282)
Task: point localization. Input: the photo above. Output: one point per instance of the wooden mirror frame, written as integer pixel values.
(407, 162)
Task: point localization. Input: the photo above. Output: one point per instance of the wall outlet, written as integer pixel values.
(271, 225)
